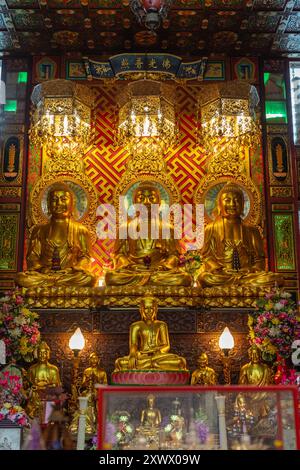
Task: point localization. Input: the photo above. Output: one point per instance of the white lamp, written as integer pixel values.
(226, 344)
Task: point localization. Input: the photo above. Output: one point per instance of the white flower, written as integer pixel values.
(15, 332)
(285, 295)
(20, 320)
(5, 299)
(278, 306)
(274, 331)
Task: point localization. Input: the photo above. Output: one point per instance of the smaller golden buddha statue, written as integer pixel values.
(58, 251)
(148, 431)
(233, 252)
(142, 261)
(41, 376)
(203, 375)
(149, 343)
(92, 375)
(255, 372)
(150, 417)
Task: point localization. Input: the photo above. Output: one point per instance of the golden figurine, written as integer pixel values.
(255, 372)
(92, 375)
(147, 261)
(41, 376)
(58, 251)
(233, 252)
(203, 375)
(150, 417)
(148, 431)
(149, 343)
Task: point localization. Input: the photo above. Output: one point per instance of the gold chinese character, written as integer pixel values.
(139, 63)
(124, 64)
(152, 64)
(166, 64)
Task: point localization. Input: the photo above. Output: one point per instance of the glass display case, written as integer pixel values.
(200, 418)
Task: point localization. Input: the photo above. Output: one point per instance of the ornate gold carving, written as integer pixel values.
(147, 164)
(281, 191)
(131, 296)
(11, 192)
(279, 129)
(70, 169)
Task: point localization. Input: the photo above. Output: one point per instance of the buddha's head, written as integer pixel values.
(60, 201)
(230, 201)
(146, 193)
(150, 400)
(43, 352)
(202, 361)
(254, 354)
(148, 309)
(94, 360)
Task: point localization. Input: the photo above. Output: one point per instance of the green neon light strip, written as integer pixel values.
(22, 77)
(10, 106)
(276, 111)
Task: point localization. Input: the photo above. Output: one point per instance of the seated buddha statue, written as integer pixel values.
(147, 260)
(40, 377)
(58, 252)
(233, 252)
(255, 372)
(149, 343)
(150, 417)
(203, 375)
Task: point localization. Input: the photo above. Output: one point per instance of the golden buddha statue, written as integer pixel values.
(203, 375)
(147, 260)
(233, 252)
(58, 252)
(150, 417)
(92, 375)
(41, 376)
(255, 372)
(149, 343)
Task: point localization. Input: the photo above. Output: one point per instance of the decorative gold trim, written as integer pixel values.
(131, 296)
(146, 164)
(281, 191)
(10, 191)
(18, 180)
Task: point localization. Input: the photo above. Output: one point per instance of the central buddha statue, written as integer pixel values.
(149, 343)
(233, 252)
(58, 251)
(147, 260)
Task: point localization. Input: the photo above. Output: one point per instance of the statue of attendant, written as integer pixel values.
(58, 251)
(203, 375)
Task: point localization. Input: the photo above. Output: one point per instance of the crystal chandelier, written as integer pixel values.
(150, 12)
(146, 109)
(228, 115)
(61, 116)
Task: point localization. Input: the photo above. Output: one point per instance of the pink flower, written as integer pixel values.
(19, 300)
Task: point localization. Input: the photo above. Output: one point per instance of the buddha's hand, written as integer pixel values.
(45, 270)
(132, 362)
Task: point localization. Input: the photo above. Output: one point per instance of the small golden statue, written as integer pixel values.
(41, 376)
(147, 261)
(203, 375)
(255, 372)
(148, 432)
(233, 252)
(149, 343)
(92, 375)
(58, 251)
(150, 417)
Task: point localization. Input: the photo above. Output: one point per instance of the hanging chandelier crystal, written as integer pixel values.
(61, 117)
(146, 109)
(228, 115)
(150, 12)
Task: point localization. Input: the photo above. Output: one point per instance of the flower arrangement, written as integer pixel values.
(119, 430)
(10, 398)
(274, 324)
(19, 328)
